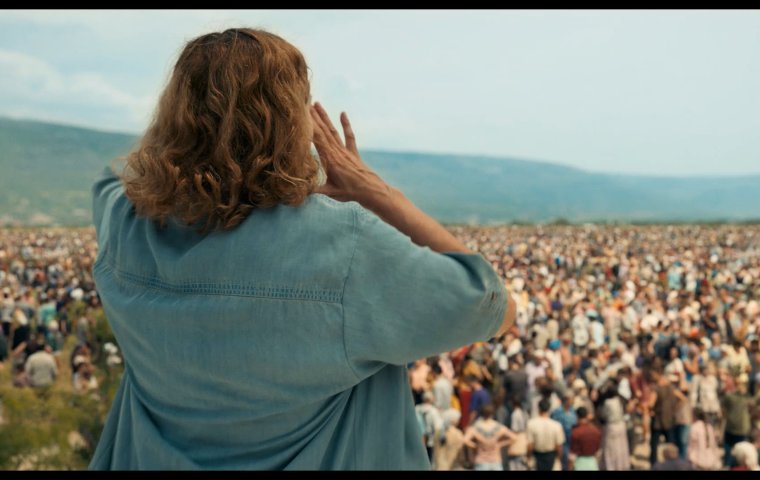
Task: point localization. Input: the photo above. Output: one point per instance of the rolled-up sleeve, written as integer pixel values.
(107, 192)
(402, 302)
(106, 185)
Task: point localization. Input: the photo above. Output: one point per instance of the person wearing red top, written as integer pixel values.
(641, 393)
(464, 393)
(585, 441)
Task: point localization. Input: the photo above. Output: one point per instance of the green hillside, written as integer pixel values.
(47, 171)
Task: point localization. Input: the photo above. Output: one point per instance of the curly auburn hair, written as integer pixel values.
(231, 133)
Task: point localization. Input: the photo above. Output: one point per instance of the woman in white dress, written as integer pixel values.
(615, 453)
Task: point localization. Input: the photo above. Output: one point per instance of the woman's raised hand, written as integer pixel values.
(348, 177)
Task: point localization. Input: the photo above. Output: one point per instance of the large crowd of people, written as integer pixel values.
(634, 347)
(45, 274)
(628, 339)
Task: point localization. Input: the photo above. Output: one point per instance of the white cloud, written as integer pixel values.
(32, 86)
(650, 88)
(27, 73)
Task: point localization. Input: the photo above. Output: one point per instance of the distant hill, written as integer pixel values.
(47, 169)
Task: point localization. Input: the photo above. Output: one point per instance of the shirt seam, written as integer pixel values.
(354, 219)
(206, 288)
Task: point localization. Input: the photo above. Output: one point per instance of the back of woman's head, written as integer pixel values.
(231, 133)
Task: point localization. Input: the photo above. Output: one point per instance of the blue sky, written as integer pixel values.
(646, 92)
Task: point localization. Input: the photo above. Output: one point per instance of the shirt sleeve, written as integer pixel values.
(107, 191)
(106, 184)
(403, 302)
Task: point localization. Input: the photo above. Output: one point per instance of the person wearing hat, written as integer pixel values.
(736, 407)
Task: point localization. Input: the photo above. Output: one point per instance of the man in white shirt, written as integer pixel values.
(41, 368)
(545, 438)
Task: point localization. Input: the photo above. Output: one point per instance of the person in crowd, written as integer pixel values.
(736, 405)
(41, 367)
(546, 438)
(704, 392)
(486, 437)
(517, 452)
(84, 379)
(448, 447)
(663, 402)
(443, 390)
(516, 382)
(585, 442)
(418, 378)
(480, 397)
(430, 421)
(703, 447)
(556, 274)
(671, 460)
(567, 417)
(683, 415)
(615, 452)
(745, 457)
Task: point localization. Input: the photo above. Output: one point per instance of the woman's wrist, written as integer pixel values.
(378, 197)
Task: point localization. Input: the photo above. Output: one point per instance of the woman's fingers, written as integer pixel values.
(327, 123)
(348, 132)
(338, 159)
(319, 137)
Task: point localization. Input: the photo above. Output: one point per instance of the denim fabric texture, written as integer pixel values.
(280, 344)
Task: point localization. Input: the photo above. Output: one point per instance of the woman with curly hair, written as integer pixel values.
(266, 313)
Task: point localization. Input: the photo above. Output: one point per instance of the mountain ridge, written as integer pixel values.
(49, 184)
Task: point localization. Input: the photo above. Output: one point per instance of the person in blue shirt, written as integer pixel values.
(568, 418)
(266, 302)
(479, 398)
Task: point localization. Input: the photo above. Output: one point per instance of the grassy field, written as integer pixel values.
(56, 428)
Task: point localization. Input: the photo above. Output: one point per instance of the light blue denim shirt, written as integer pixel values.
(280, 344)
